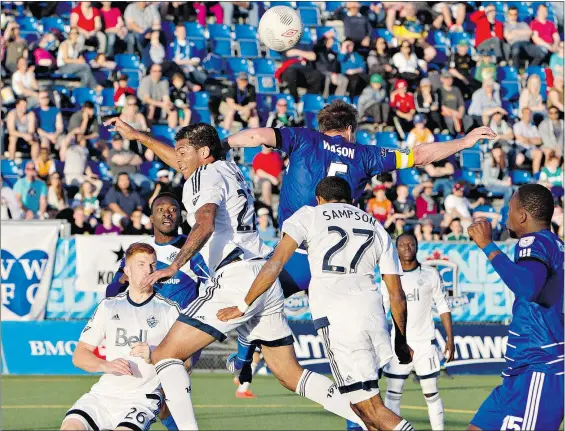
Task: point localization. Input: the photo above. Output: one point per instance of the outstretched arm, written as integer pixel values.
(253, 138)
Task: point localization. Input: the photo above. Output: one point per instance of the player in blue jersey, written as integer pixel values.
(531, 394)
(314, 155)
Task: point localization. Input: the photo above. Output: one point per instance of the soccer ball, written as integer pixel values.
(280, 28)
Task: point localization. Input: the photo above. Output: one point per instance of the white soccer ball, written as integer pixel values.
(280, 28)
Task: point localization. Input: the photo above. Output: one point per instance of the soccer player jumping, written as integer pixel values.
(531, 394)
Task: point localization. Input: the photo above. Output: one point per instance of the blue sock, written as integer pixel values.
(244, 353)
(353, 425)
(169, 423)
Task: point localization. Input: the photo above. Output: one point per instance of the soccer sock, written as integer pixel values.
(403, 425)
(169, 423)
(245, 386)
(176, 384)
(323, 391)
(392, 401)
(435, 411)
(244, 353)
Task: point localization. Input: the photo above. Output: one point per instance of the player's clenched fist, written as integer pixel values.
(141, 350)
(117, 367)
(481, 232)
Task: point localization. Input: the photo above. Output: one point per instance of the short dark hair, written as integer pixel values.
(20, 100)
(337, 116)
(538, 201)
(542, 4)
(408, 234)
(88, 104)
(201, 135)
(512, 8)
(169, 195)
(334, 189)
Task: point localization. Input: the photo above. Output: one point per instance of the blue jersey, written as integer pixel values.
(183, 286)
(314, 156)
(535, 339)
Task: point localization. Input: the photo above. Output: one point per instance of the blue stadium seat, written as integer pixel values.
(306, 42)
(222, 47)
(105, 173)
(249, 154)
(245, 32)
(10, 172)
(199, 100)
(194, 31)
(201, 116)
(543, 91)
(332, 6)
(162, 132)
(215, 65)
(438, 37)
(310, 16)
(219, 31)
(28, 23)
(64, 8)
(520, 177)
(537, 70)
(108, 100)
(471, 177)
(311, 120)
(507, 73)
(524, 9)
(223, 133)
(387, 139)
(30, 36)
(264, 66)
(442, 55)
(499, 5)
(485, 209)
(333, 97)
(274, 55)
(60, 168)
(443, 138)
(456, 37)
(384, 33)
(306, 4)
(198, 48)
(266, 84)
(312, 102)
(134, 76)
(168, 29)
(281, 3)
(409, 177)
(471, 160)
(249, 49)
(89, 55)
(127, 61)
(510, 90)
(83, 94)
(154, 169)
(363, 137)
(236, 65)
(321, 30)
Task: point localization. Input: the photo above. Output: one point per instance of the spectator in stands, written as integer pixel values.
(240, 104)
(424, 231)
(379, 206)
(531, 98)
(556, 61)
(457, 205)
(420, 134)
(180, 51)
(373, 102)
(179, 97)
(56, 194)
(441, 172)
(280, 116)
(552, 133)
(264, 227)
(449, 11)
(141, 19)
(50, 126)
(407, 64)
(101, 62)
(154, 52)
(403, 107)
(545, 35)
(485, 103)
(377, 15)
(242, 8)
(403, 205)
(16, 46)
(460, 67)
(88, 197)
(528, 141)
(356, 27)
(298, 71)
(131, 115)
(268, 168)
(427, 104)
(31, 193)
(122, 91)
(44, 166)
(70, 61)
(107, 227)
(88, 21)
(518, 35)
(327, 63)
(122, 160)
(552, 174)
(380, 61)
(24, 83)
(154, 92)
(495, 170)
(79, 225)
(453, 106)
(354, 67)
(134, 226)
(115, 28)
(43, 56)
(409, 28)
(486, 67)
(9, 205)
(22, 130)
(163, 185)
(83, 126)
(122, 199)
(489, 34)
(555, 97)
(425, 203)
(504, 133)
(455, 231)
(202, 9)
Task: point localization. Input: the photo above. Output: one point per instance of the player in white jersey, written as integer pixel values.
(127, 396)
(220, 211)
(344, 246)
(423, 287)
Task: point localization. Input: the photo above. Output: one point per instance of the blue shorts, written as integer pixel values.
(296, 274)
(529, 401)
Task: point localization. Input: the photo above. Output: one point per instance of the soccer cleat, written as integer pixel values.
(246, 394)
(230, 364)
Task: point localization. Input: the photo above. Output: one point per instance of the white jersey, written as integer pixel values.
(423, 286)
(223, 184)
(345, 245)
(123, 323)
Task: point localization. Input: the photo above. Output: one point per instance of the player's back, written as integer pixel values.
(535, 339)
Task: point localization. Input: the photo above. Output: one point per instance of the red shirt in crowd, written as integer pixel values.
(485, 30)
(425, 206)
(270, 163)
(83, 22)
(545, 31)
(111, 17)
(404, 103)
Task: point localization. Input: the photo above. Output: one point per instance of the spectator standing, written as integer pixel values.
(544, 33)
(528, 141)
(134, 226)
(380, 61)
(280, 116)
(88, 21)
(107, 227)
(428, 104)
(354, 67)
(420, 134)
(70, 61)
(240, 104)
(489, 33)
(356, 27)
(122, 160)
(141, 19)
(56, 193)
(154, 92)
(268, 168)
(379, 206)
(24, 83)
(21, 126)
(373, 102)
(518, 35)
(16, 46)
(552, 133)
(79, 225)
(327, 63)
(115, 28)
(122, 199)
(264, 227)
(10, 208)
(485, 103)
(453, 106)
(403, 107)
(555, 97)
(50, 125)
(495, 171)
(504, 133)
(460, 67)
(531, 98)
(31, 193)
(425, 203)
(455, 231)
(458, 206)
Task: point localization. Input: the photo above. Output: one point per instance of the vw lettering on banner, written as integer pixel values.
(98, 258)
(27, 258)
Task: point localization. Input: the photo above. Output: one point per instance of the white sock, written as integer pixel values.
(323, 391)
(435, 411)
(176, 384)
(392, 402)
(253, 368)
(243, 387)
(404, 425)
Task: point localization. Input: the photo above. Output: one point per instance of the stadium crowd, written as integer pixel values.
(417, 72)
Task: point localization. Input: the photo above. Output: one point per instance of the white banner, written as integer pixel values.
(28, 254)
(98, 259)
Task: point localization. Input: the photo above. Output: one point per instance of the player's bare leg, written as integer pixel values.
(377, 417)
(71, 424)
(181, 343)
(285, 367)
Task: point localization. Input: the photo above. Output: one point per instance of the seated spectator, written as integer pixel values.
(327, 63)
(424, 231)
(356, 27)
(504, 133)
(44, 54)
(15, 46)
(298, 71)
(163, 185)
(556, 61)
(264, 227)
(409, 28)
(115, 28)
(552, 174)
(24, 83)
(70, 61)
(83, 126)
(88, 197)
(131, 115)
(101, 62)
(427, 104)
(441, 172)
(528, 141)
(380, 61)
(425, 203)
(403, 107)
(79, 225)
(420, 134)
(202, 9)
(122, 199)
(379, 206)
(22, 130)
(485, 103)
(531, 98)
(544, 33)
(240, 104)
(354, 67)
(268, 169)
(179, 97)
(455, 231)
(461, 66)
(453, 106)
(243, 9)
(373, 102)
(122, 91)
(489, 34)
(10, 208)
(180, 51)
(56, 194)
(280, 116)
(556, 97)
(495, 169)
(518, 35)
(50, 125)
(552, 133)
(141, 19)
(153, 91)
(403, 205)
(407, 64)
(107, 227)
(44, 166)
(122, 160)
(31, 194)
(134, 226)
(89, 23)
(486, 67)
(457, 205)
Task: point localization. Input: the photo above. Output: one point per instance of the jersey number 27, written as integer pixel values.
(369, 238)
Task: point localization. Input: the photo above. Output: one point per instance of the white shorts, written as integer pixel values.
(357, 352)
(425, 362)
(264, 323)
(97, 411)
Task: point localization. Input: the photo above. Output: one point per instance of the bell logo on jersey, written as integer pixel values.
(414, 296)
(152, 321)
(122, 338)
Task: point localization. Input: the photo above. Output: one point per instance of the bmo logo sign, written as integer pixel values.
(49, 348)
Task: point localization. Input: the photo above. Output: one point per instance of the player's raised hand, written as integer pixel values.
(481, 232)
(478, 134)
(449, 351)
(141, 350)
(162, 274)
(229, 313)
(117, 367)
(121, 127)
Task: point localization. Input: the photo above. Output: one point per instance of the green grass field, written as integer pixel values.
(39, 403)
